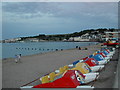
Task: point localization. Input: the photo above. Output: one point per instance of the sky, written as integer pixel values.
(20, 19)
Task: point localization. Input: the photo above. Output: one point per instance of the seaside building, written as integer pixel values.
(31, 40)
(84, 37)
(64, 40)
(77, 38)
(96, 36)
(71, 39)
(111, 35)
(13, 40)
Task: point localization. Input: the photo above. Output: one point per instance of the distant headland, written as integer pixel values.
(84, 35)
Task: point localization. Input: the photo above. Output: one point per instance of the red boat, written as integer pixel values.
(111, 44)
(91, 62)
(71, 79)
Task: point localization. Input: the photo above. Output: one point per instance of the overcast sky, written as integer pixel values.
(29, 19)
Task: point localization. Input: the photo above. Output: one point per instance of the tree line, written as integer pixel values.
(59, 37)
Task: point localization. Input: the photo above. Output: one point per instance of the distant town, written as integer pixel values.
(91, 35)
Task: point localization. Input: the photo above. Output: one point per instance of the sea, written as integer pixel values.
(9, 50)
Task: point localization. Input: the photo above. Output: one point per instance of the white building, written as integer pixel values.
(71, 39)
(82, 38)
(111, 35)
(77, 38)
(85, 36)
(33, 39)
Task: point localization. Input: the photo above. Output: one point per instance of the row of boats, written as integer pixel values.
(79, 73)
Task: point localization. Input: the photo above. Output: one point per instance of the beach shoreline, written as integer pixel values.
(35, 66)
(82, 47)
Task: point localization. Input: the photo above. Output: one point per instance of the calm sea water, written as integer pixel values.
(9, 50)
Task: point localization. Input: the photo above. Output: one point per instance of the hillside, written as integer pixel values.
(59, 37)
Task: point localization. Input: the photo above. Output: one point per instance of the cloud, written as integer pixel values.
(57, 17)
(67, 9)
(95, 11)
(29, 8)
(55, 12)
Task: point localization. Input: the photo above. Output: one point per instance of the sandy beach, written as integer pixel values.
(35, 66)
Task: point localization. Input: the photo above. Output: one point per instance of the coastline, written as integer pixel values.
(36, 48)
(49, 41)
(10, 58)
(34, 66)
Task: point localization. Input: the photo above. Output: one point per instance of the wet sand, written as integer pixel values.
(35, 66)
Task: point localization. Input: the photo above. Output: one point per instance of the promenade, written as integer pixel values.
(108, 76)
(117, 80)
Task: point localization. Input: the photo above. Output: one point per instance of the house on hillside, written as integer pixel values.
(31, 40)
(84, 37)
(111, 35)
